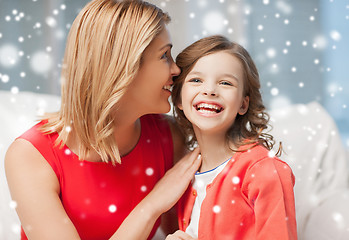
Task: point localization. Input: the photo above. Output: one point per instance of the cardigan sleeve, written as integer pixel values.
(268, 187)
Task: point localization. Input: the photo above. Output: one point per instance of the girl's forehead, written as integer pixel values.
(217, 62)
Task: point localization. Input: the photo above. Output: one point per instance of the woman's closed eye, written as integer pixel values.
(164, 56)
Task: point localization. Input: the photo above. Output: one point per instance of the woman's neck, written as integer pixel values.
(127, 128)
(127, 136)
(215, 150)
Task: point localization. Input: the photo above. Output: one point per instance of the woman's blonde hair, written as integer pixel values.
(247, 128)
(102, 57)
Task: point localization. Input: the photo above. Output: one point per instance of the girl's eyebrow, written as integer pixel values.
(228, 75)
(194, 73)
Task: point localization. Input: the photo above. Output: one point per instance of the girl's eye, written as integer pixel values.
(226, 83)
(195, 80)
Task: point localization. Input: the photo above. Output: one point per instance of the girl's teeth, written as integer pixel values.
(208, 107)
(206, 111)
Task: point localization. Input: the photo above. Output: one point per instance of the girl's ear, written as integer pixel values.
(180, 106)
(244, 105)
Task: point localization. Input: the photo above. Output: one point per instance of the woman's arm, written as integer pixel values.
(35, 188)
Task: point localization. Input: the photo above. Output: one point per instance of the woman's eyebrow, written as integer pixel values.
(166, 46)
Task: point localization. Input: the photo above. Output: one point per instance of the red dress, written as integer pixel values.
(98, 196)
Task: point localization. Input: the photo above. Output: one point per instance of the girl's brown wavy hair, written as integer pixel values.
(248, 128)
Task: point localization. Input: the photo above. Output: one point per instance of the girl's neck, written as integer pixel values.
(215, 150)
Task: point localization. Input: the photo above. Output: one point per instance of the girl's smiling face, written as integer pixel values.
(213, 93)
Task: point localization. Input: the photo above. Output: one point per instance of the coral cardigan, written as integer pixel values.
(252, 198)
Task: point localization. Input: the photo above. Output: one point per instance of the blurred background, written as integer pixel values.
(301, 47)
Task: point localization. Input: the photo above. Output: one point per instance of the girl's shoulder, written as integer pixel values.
(259, 165)
(258, 155)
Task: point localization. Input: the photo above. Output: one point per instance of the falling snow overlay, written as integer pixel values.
(300, 48)
(300, 53)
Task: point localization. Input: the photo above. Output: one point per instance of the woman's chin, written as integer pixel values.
(162, 108)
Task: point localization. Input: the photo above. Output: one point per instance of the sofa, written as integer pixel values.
(310, 139)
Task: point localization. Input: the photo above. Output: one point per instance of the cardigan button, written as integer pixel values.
(194, 193)
(184, 222)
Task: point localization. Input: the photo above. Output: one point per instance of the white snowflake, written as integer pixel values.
(143, 188)
(68, 152)
(149, 171)
(8, 55)
(13, 204)
(274, 91)
(51, 21)
(213, 22)
(216, 209)
(112, 208)
(335, 35)
(14, 90)
(236, 180)
(41, 62)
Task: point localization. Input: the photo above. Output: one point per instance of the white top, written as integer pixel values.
(201, 180)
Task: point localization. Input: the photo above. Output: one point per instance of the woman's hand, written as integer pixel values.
(174, 183)
(180, 235)
(164, 195)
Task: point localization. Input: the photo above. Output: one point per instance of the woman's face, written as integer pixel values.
(150, 90)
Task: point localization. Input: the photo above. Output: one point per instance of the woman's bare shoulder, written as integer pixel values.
(35, 188)
(20, 151)
(23, 160)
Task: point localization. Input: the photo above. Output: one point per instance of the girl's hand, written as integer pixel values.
(174, 183)
(180, 235)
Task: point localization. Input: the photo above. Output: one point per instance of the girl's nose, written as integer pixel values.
(210, 91)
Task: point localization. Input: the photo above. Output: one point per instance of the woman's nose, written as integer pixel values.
(175, 70)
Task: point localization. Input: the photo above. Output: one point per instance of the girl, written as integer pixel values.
(87, 171)
(241, 191)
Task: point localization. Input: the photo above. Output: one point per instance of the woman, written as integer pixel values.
(87, 171)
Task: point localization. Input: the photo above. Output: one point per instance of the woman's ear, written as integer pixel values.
(244, 105)
(180, 106)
